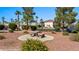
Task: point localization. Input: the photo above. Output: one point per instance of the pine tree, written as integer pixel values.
(64, 16)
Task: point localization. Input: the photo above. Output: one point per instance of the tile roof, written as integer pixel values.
(49, 21)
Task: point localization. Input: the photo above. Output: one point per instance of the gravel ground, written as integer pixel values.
(61, 43)
(11, 43)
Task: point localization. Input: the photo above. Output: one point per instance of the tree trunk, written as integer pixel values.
(3, 21)
(63, 21)
(27, 27)
(18, 23)
(42, 26)
(63, 25)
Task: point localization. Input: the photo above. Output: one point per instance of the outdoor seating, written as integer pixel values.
(34, 33)
(37, 33)
(41, 35)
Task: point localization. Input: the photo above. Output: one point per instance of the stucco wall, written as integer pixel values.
(48, 24)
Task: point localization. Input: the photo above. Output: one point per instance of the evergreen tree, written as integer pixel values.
(12, 20)
(3, 20)
(42, 23)
(64, 16)
(18, 13)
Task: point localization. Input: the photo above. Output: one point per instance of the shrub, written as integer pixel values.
(12, 26)
(74, 31)
(25, 27)
(74, 37)
(1, 31)
(1, 27)
(2, 37)
(39, 26)
(65, 33)
(77, 26)
(26, 32)
(33, 28)
(11, 31)
(33, 45)
(57, 29)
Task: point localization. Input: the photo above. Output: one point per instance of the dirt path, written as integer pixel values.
(11, 42)
(61, 43)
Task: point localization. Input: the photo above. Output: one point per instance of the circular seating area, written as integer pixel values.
(28, 36)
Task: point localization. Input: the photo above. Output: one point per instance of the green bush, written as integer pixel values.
(25, 27)
(12, 26)
(74, 37)
(74, 31)
(1, 27)
(33, 45)
(33, 28)
(39, 26)
(2, 37)
(77, 26)
(11, 31)
(65, 33)
(26, 32)
(57, 29)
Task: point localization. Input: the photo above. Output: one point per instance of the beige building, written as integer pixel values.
(48, 24)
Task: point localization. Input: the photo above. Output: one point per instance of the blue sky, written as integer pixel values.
(45, 13)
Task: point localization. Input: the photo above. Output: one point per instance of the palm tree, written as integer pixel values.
(42, 23)
(12, 20)
(36, 17)
(28, 14)
(18, 13)
(3, 20)
(37, 20)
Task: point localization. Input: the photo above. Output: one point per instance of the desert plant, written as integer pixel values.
(77, 26)
(39, 26)
(11, 31)
(33, 28)
(74, 37)
(1, 27)
(74, 31)
(65, 33)
(25, 27)
(26, 32)
(12, 26)
(57, 29)
(2, 37)
(33, 45)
